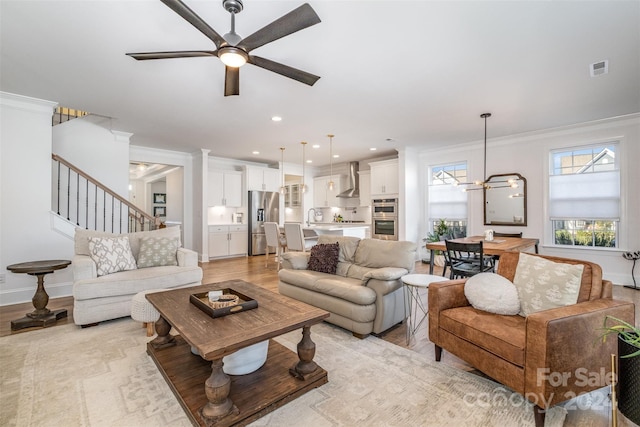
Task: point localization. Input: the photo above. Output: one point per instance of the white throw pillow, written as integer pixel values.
(493, 293)
(543, 284)
(111, 254)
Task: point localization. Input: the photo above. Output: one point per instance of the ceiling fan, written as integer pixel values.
(233, 50)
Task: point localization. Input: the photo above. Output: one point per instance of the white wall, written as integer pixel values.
(174, 187)
(25, 198)
(409, 211)
(81, 142)
(528, 155)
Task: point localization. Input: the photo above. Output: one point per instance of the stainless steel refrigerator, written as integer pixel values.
(264, 206)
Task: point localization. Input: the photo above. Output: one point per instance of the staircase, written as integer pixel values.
(85, 202)
(64, 114)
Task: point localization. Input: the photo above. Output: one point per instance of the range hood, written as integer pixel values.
(353, 183)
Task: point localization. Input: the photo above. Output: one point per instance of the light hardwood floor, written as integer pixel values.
(252, 269)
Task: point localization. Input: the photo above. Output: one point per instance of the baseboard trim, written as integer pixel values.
(19, 296)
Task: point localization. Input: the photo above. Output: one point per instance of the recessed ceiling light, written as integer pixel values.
(255, 152)
(316, 145)
(335, 156)
(276, 118)
(372, 149)
(309, 161)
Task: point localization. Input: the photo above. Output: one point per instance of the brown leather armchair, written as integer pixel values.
(530, 354)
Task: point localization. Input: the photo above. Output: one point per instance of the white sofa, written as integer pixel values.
(98, 298)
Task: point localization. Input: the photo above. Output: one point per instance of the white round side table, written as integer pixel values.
(413, 304)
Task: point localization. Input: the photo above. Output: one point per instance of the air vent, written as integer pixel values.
(599, 68)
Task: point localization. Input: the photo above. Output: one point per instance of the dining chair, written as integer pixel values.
(466, 259)
(295, 237)
(495, 258)
(274, 240)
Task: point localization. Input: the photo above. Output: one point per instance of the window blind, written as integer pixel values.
(447, 202)
(585, 196)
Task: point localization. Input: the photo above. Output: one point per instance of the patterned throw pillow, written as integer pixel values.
(111, 254)
(158, 251)
(324, 258)
(544, 284)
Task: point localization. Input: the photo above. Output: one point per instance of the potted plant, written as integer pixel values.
(628, 365)
(440, 231)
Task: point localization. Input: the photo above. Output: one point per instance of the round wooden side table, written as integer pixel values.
(41, 316)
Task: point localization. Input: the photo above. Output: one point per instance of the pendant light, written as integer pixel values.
(283, 189)
(481, 184)
(304, 186)
(330, 184)
(484, 184)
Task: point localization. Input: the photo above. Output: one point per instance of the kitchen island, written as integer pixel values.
(338, 229)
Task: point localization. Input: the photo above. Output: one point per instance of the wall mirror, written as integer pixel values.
(505, 200)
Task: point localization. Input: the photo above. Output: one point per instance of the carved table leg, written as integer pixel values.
(306, 351)
(40, 299)
(217, 388)
(41, 315)
(163, 339)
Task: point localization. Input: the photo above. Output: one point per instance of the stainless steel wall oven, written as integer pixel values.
(384, 219)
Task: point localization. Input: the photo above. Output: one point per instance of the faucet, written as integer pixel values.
(309, 212)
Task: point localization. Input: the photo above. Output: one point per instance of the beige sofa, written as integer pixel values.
(365, 295)
(98, 298)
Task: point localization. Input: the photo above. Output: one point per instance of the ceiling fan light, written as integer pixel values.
(233, 56)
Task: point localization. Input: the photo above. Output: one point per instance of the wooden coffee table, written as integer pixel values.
(207, 394)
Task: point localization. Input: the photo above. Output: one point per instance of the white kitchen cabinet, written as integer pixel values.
(384, 178)
(227, 240)
(238, 239)
(262, 179)
(325, 198)
(293, 197)
(225, 189)
(365, 188)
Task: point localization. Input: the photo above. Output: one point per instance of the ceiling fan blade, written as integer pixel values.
(231, 81)
(191, 17)
(285, 70)
(141, 56)
(296, 20)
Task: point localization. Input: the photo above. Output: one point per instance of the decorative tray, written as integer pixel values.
(226, 305)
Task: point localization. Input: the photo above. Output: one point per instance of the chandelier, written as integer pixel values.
(484, 184)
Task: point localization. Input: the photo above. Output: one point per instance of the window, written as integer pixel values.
(584, 196)
(446, 201)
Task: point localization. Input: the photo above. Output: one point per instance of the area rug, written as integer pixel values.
(102, 376)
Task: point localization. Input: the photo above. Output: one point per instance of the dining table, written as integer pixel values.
(497, 246)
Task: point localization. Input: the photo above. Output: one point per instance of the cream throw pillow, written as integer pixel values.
(493, 293)
(111, 254)
(544, 284)
(158, 251)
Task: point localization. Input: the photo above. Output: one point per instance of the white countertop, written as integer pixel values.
(335, 226)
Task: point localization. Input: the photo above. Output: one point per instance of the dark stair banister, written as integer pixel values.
(111, 206)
